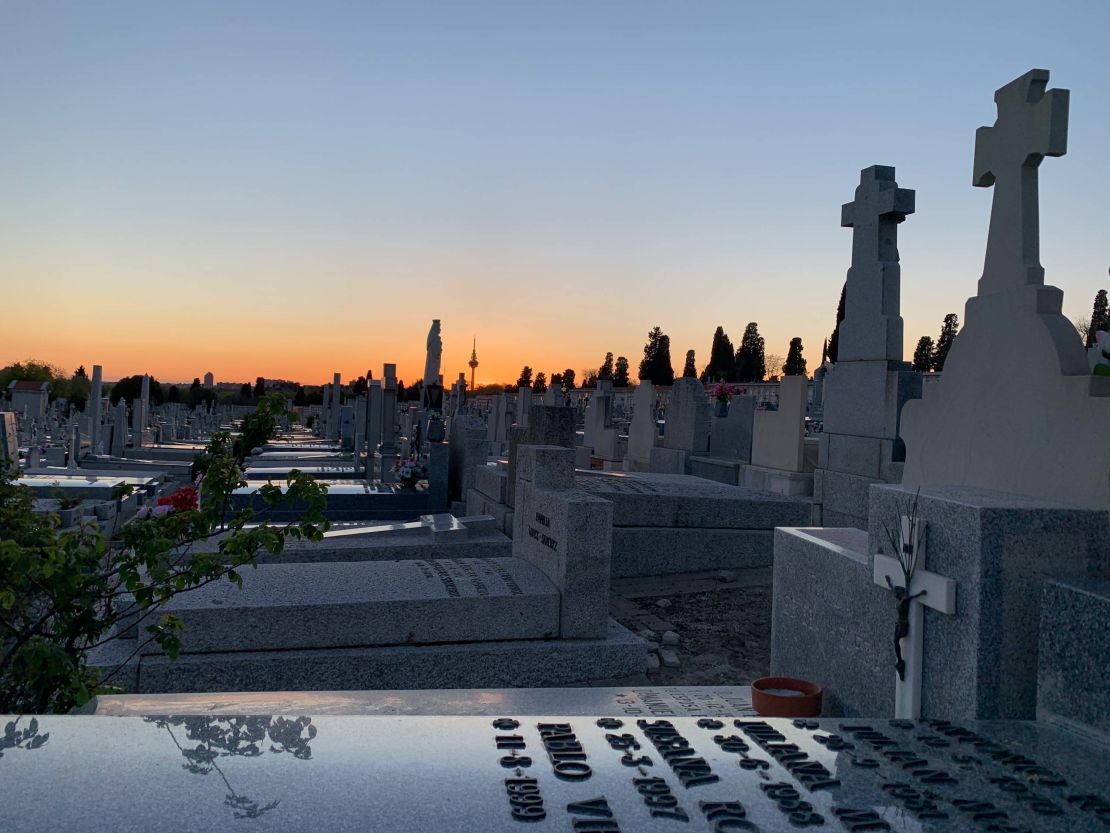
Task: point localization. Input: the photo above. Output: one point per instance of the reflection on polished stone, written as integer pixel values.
(440, 773)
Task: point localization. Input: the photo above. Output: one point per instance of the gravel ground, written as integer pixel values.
(724, 633)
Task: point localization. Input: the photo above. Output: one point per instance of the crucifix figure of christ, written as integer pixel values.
(922, 589)
(1032, 123)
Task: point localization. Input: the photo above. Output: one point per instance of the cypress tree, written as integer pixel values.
(722, 359)
(834, 341)
(606, 369)
(664, 371)
(1100, 317)
(656, 364)
(750, 360)
(948, 331)
(689, 370)
(923, 354)
(621, 377)
(795, 364)
(651, 354)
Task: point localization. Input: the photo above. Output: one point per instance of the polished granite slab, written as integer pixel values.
(631, 701)
(544, 773)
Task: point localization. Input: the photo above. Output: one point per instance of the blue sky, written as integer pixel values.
(553, 178)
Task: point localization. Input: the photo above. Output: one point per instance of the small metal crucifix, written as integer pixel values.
(924, 589)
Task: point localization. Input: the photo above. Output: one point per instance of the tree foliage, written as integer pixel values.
(65, 593)
(923, 354)
(540, 385)
(35, 370)
(834, 340)
(525, 379)
(948, 331)
(78, 390)
(605, 372)
(750, 360)
(795, 364)
(130, 388)
(621, 374)
(261, 424)
(656, 366)
(1100, 317)
(722, 359)
(569, 379)
(689, 369)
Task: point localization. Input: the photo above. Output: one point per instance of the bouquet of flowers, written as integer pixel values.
(723, 392)
(184, 499)
(409, 472)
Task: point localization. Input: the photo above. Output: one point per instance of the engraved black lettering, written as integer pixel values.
(859, 820)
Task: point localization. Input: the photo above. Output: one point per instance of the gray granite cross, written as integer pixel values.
(1032, 123)
(880, 205)
(872, 322)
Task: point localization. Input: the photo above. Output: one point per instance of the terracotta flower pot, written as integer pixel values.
(786, 697)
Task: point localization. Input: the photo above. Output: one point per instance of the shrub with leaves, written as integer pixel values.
(63, 594)
(259, 426)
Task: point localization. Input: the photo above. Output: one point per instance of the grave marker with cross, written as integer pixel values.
(1032, 123)
(872, 326)
(925, 590)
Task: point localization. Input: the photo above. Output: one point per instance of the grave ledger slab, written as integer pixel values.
(588, 774)
(349, 604)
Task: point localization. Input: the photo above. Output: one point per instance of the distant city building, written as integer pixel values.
(209, 380)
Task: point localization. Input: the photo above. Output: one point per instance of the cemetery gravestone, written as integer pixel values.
(1055, 443)
(865, 390)
(93, 406)
(144, 411)
(567, 534)
(9, 443)
(119, 430)
(992, 501)
(778, 444)
(335, 410)
(599, 435)
(643, 433)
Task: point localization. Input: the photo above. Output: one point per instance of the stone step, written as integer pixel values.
(356, 604)
(502, 663)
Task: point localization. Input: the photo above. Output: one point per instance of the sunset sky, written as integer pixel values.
(290, 189)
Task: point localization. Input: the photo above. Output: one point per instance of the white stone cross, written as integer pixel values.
(926, 590)
(1032, 123)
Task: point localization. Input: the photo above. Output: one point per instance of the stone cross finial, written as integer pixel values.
(1032, 123)
(872, 327)
(880, 205)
